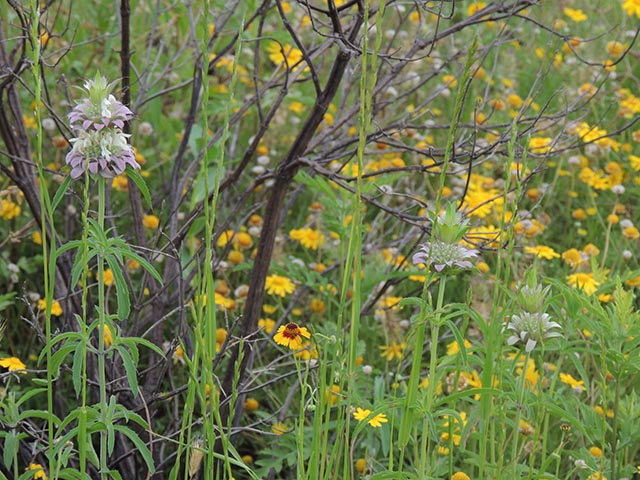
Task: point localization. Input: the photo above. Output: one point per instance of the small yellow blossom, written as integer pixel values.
(308, 237)
(56, 309)
(541, 145)
(9, 209)
(454, 347)
(108, 277)
(291, 335)
(251, 405)
(151, 222)
(393, 350)
(13, 364)
(577, 385)
(542, 251)
(279, 428)
(595, 451)
(631, 7)
(38, 471)
(377, 421)
(267, 324)
(108, 336)
(361, 466)
(583, 281)
(279, 285)
(460, 476)
(575, 14)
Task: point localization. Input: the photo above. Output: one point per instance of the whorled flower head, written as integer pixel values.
(106, 152)
(100, 109)
(531, 328)
(439, 255)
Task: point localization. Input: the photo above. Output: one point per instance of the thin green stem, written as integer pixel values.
(102, 377)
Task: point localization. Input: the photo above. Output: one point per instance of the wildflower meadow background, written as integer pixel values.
(319, 239)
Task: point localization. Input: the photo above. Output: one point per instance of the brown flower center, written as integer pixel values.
(291, 331)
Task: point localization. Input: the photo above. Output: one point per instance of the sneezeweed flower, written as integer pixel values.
(56, 309)
(361, 414)
(631, 7)
(454, 347)
(575, 14)
(38, 471)
(583, 281)
(393, 350)
(279, 285)
(13, 364)
(108, 277)
(531, 328)
(542, 251)
(267, 324)
(525, 428)
(541, 145)
(291, 335)
(308, 237)
(574, 258)
(307, 352)
(577, 385)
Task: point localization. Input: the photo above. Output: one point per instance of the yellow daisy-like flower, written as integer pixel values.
(267, 324)
(454, 347)
(56, 309)
(291, 335)
(393, 350)
(108, 277)
(577, 385)
(632, 7)
(575, 14)
(542, 251)
(541, 145)
(308, 237)
(13, 364)
(362, 414)
(279, 285)
(572, 257)
(39, 472)
(584, 281)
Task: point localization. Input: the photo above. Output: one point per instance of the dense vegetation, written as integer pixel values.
(319, 239)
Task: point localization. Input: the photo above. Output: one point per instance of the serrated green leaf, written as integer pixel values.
(10, 448)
